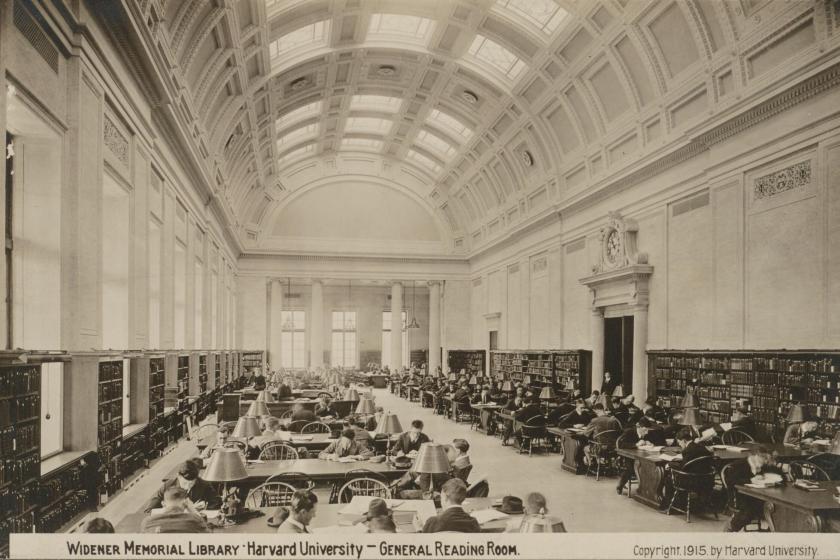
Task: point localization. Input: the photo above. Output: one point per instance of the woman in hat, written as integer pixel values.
(535, 505)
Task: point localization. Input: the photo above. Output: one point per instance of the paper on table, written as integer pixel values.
(708, 433)
(666, 457)
(651, 448)
(726, 426)
(347, 460)
(208, 513)
(487, 515)
(302, 438)
(821, 441)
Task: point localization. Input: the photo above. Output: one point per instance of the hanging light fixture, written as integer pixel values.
(413, 324)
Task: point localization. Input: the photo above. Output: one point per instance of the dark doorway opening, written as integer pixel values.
(618, 352)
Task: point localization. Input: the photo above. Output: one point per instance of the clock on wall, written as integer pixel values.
(618, 244)
(612, 246)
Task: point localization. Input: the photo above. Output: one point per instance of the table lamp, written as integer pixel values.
(798, 413)
(473, 381)
(351, 394)
(225, 466)
(246, 427)
(265, 396)
(689, 401)
(388, 425)
(452, 376)
(526, 380)
(605, 400)
(618, 391)
(507, 387)
(431, 459)
(365, 406)
(257, 409)
(691, 417)
(547, 393)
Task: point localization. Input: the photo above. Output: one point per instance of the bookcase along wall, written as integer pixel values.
(563, 370)
(765, 382)
(251, 359)
(474, 362)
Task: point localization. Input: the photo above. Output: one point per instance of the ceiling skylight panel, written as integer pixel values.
(299, 114)
(544, 15)
(426, 162)
(383, 103)
(435, 144)
(401, 26)
(296, 135)
(314, 34)
(449, 124)
(364, 143)
(498, 57)
(368, 124)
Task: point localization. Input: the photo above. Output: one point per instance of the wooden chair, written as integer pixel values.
(807, 470)
(315, 428)
(531, 434)
(286, 414)
(278, 451)
(270, 494)
(733, 505)
(463, 474)
(203, 431)
(463, 411)
(734, 437)
(297, 479)
(363, 487)
(695, 478)
(297, 425)
(479, 489)
(237, 444)
(623, 463)
(602, 454)
(829, 462)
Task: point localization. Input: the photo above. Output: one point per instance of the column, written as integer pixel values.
(396, 325)
(596, 331)
(316, 322)
(274, 348)
(434, 326)
(640, 362)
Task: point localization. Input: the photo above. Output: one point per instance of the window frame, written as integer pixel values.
(344, 331)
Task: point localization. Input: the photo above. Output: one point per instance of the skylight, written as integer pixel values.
(314, 34)
(426, 162)
(401, 26)
(366, 143)
(449, 124)
(368, 124)
(296, 153)
(545, 15)
(298, 114)
(435, 144)
(296, 135)
(383, 103)
(497, 56)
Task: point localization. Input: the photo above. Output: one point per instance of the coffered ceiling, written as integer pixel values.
(484, 114)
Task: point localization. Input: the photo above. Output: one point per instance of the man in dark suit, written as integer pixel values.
(603, 429)
(452, 516)
(653, 411)
(530, 414)
(517, 401)
(558, 412)
(643, 434)
(301, 413)
(743, 422)
(284, 391)
(411, 440)
(743, 471)
(691, 450)
(325, 408)
(580, 416)
(178, 515)
(259, 381)
(199, 493)
(609, 384)
(462, 394)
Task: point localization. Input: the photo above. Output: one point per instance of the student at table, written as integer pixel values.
(653, 411)
(690, 450)
(344, 446)
(530, 414)
(361, 435)
(414, 486)
(555, 414)
(800, 433)
(98, 525)
(462, 394)
(452, 516)
(483, 396)
(593, 398)
(259, 381)
(298, 515)
(200, 493)
(222, 435)
(271, 432)
(517, 401)
(284, 391)
(609, 384)
(643, 434)
(602, 427)
(579, 417)
(751, 469)
(325, 408)
(373, 421)
(178, 515)
(535, 504)
(410, 441)
(299, 412)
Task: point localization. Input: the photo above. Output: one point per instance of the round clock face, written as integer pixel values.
(613, 246)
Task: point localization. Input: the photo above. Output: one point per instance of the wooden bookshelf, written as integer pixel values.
(251, 359)
(766, 383)
(473, 361)
(563, 370)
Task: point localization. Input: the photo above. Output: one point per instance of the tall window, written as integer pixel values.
(52, 409)
(344, 339)
(386, 339)
(292, 339)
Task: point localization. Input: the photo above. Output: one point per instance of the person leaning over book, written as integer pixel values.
(200, 494)
(752, 469)
(690, 450)
(178, 515)
(452, 516)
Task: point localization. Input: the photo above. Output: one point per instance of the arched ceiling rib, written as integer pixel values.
(497, 107)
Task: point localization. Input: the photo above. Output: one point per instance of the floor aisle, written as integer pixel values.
(584, 504)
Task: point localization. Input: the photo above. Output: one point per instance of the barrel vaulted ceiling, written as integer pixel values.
(486, 114)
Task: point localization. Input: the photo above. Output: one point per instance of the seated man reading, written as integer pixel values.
(178, 515)
(345, 446)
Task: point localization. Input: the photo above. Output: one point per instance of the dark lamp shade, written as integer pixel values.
(389, 424)
(265, 396)
(507, 386)
(689, 401)
(257, 409)
(246, 426)
(798, 413)
(351, 394)
(225, 465)
(690, 417)
(365, 407)
(547, 393)
(431, 459)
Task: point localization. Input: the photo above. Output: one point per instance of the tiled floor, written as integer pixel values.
(584, 504)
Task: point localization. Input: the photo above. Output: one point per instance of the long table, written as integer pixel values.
(318, 469)
(790, 510)
(486, 412)
(315, 442)
(571, 446)
(650, 469)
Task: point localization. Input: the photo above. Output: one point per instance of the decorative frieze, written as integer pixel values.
(115, 140)
(789, 178)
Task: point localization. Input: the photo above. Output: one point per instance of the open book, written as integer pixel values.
(486, 515)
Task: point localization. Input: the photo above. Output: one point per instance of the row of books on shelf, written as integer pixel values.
(20, 469)
(19, 381)
(756, 363)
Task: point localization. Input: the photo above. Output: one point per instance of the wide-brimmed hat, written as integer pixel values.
(511, 505)
(402, 461)
(378, 507)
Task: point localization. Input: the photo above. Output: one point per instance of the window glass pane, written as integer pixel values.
(300, 320)
(298, 350)
(337, 320)
(286, 349)
(336, 351)
(349, 349)
(386, 320)
(52, 399)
